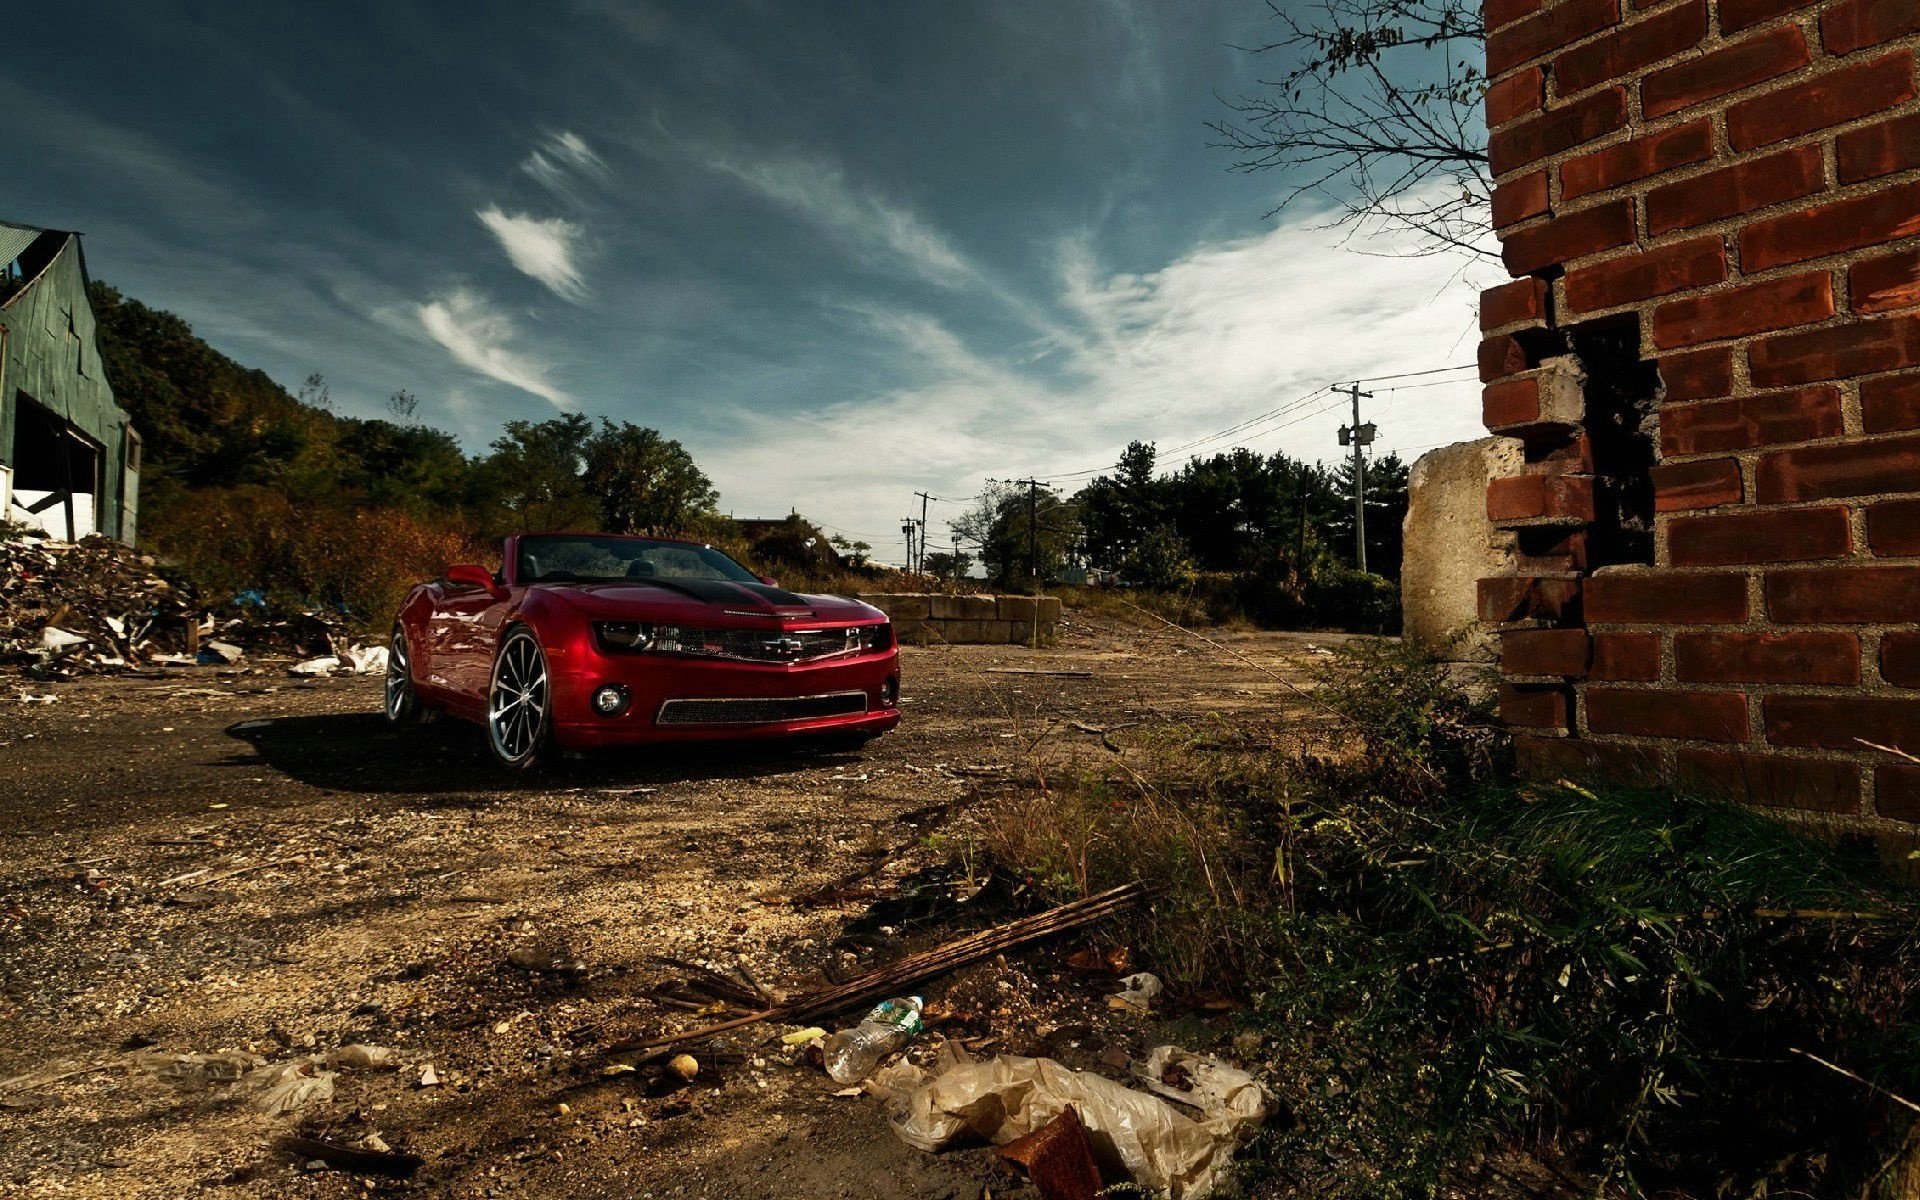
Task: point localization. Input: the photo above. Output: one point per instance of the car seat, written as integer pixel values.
(640, 568)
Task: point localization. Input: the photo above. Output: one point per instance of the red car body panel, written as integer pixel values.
(454, 633)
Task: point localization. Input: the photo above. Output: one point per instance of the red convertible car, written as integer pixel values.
(586, 640)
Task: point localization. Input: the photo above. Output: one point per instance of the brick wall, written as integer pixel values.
(921, 618)
(1711, 350)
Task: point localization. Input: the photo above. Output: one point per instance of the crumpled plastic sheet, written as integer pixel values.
(1178, 1140)
(275, 1088)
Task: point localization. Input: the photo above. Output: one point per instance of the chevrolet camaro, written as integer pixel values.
(583, 641)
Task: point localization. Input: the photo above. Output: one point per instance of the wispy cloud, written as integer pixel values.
(562, 161)
(540, 247)
(481, 338)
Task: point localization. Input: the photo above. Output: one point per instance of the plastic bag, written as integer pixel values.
(1158, 1145)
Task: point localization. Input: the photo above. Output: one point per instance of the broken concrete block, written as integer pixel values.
(1450, 545)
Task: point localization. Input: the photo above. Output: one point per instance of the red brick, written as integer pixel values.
(1896, 792)
(1631, 47)
(1543, 549)
(1768, 780)
(1697, 716)
(1580, 758)
(1700, 375)
(1890, 402)
(1665, 598)
(1829, 469)
(1638, 158)
(1835, 352)
(1495, 13)
(1547, 31)
(1737, 312)
(1544, 652)
(1703, 483)
(1512, 303)
(1533, 706)
(1843, 722)
(1626, 657)
(1719, 426)
(1564, 239)
(1832, 658)
(1737, 190)
(1519, 199)
(1893, 528)
(1878, 149)
(1794, 535)
(1818, 103)
(1736, 15)
(1516, 96)
(1510, 402)
(1843, 595)
(1885, 284)
(1864, 220)
(1728, 69)
(1900, 658)
(1631, 278)
(1500, 356)
(1505, 599)
(1856, 24)
(1540, 498)
(1514, 146)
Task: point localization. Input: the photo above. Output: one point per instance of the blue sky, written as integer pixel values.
(844, 251)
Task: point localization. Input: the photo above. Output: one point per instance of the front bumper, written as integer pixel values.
(673, 685)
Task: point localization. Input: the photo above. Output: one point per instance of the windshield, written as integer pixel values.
(610, 559)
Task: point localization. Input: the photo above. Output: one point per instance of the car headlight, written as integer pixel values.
(878, 637)
(624, 635)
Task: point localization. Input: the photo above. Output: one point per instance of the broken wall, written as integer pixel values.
(921, 618)
(1449, 544)
(1711, 353)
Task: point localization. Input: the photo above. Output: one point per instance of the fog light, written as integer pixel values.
(890, 692)
(611, 700)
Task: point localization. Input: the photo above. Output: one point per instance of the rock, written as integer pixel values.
(1451, 546)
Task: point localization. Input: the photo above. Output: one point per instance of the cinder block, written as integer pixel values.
(1048, 609)
(964, 633)
(910, 632)
(902, 606)
(978, 608)
(951, 608)
(1017, 608)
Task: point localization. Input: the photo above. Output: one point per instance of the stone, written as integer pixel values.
(1450, 546)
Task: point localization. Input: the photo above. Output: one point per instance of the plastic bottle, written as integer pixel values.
(852, 1054)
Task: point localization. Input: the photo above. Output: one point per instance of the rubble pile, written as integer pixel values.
(98, 606)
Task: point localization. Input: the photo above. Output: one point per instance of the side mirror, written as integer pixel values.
(770, 581)
(472, 575)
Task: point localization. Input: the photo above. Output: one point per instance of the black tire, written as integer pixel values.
(403, 706)
(519, 720)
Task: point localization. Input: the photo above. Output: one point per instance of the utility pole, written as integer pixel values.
(1033, 529)
(1358, 435)
(1300, 537)
(922, 564)
(906, 527)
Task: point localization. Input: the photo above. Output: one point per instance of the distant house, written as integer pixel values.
(69, 457)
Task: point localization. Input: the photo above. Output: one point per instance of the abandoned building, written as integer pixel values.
(1710, 359)
(69, 458)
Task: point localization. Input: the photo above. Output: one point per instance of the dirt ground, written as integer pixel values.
(237, 860)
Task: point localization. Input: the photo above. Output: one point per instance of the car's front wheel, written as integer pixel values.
(403, 703)
(519, 702)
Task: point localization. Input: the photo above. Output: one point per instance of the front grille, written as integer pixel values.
(772, 646)
(760, 710)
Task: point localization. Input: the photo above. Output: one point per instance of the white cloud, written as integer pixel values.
(482, 338)
(541, 247)
(562, 161)
(1227, 331)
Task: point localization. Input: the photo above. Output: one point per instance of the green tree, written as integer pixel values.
(1117, 510)
(643, 482)
(532, 478)
(1024, 535)
(945, 564)
(1386, 510)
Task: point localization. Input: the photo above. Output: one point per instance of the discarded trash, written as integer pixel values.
(366, 660)
(545, 960)
(289, 1087)
(1138, 993)
(197, 1070)
(362, 1057)
(1156, 1143)
(1098, 961)
(59, 640)
(220, 652)
(429, 1077)
(686, 1066)
(801, 1037)
(363, 1158)
(1058, 1158)
(852, 1054)
(326, 664)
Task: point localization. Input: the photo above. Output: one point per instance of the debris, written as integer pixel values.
(553, 959)
(686, 1066)
(362, 1159)
(366, 660)
(220, 652)
(1058, 1158)
(852, 1054)
(322, 666)
(801, 1037)
(198, 1070)
(897, 977)
(1096, 960)
(1057, 674)
(59, 641)
(1137, 993)
(429, 1077)
(362, 1057)
(1160, 1146)
(290, 1087)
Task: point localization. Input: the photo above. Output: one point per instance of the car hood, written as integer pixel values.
(691, 601)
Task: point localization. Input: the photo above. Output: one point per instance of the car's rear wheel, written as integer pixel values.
(403, 703)
(519, 703)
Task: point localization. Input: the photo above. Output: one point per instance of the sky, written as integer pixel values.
(844, 251)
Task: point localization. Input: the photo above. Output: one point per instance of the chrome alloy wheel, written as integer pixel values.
(517, 701)
(399, 679)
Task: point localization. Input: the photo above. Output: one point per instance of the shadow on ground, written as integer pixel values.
(359, 752)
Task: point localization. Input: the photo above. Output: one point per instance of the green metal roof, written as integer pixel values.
(14, 239)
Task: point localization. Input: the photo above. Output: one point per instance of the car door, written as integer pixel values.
(462, 654)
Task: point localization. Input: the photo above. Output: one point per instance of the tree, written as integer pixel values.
(1024, 535)
(643, 482)
(856, 553)
(1117, 510)
(943, 564)
(532, 479)
(1386, 502)
(1377, 109)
